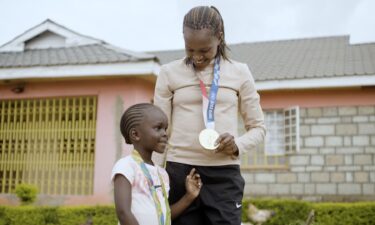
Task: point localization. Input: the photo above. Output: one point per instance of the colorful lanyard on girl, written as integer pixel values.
(162, 221)
(208, 105)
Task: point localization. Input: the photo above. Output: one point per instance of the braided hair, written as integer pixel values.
(132, 117)
(209, 17)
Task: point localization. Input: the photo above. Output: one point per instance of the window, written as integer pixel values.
(274, 141)
(282, 138)
(49, 143)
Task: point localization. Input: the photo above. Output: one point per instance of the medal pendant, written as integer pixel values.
(207, 138)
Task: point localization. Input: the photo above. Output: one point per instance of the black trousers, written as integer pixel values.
(219, 202)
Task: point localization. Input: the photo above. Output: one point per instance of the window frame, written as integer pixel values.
(291, 118)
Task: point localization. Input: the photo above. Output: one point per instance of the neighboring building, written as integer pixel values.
(62, 93)
(61, 97)
(318, 95)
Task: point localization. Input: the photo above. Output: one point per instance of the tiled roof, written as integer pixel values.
(78, 55)
(299, 58)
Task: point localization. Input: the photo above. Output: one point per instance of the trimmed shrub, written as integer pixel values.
(32, 215)
(3, 218)
(345, 213)
(23, 215)
(26, 193)
(103, 215)
(75, 215)
(287, 211)
(294, 212)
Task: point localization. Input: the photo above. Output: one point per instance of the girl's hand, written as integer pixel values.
(227, 145)
(193, 184)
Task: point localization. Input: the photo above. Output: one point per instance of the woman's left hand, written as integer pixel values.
(227, 145)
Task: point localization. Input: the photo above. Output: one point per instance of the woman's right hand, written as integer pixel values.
(227, 145)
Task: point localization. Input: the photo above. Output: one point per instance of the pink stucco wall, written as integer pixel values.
(114, 96)
(318, 98)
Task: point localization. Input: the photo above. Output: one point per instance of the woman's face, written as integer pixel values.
(200, 46)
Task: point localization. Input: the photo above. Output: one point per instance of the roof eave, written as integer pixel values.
(90, 70)
(315, 83)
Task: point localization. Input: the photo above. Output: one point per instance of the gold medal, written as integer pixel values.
(207, 139)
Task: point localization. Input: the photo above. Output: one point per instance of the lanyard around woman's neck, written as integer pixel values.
(163, 220)
(209, 102)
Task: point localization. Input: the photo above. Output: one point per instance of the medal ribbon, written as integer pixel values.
(162, 220)
(208, 103)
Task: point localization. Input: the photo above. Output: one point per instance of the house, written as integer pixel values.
(61, 97)
(318, 96)
(62, 93)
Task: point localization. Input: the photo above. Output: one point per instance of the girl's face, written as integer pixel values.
(153, 131)
(200, 46)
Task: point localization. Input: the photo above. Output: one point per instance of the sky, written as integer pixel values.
(151, 25)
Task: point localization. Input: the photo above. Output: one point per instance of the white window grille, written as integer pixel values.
(291, 129)
(282, 138)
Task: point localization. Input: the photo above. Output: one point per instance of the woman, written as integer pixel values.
(202, 95)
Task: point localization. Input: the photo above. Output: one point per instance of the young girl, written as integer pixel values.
(202, 95)
(140, 187)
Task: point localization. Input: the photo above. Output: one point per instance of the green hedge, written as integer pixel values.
(288, 212)
(345, 213)
(294, 212)
(31, 215)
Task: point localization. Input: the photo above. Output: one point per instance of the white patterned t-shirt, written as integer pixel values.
(143, 206)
